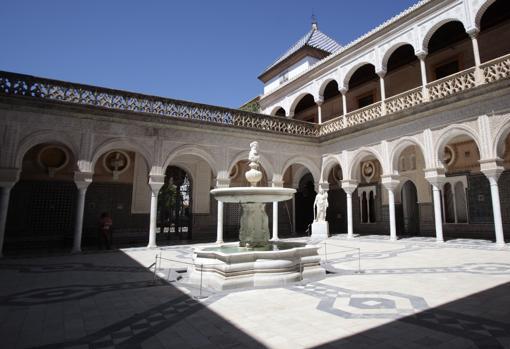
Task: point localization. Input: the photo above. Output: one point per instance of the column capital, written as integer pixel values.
(156, 181)
(390, 182)
(343, 90)
(435, 176)
(277, 181)
(421, 54)
(349, 185)
(473, 32)
(82, 179)
(324, 186)
(381, 73)
(319, 100)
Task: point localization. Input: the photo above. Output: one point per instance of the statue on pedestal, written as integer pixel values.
(320, 206)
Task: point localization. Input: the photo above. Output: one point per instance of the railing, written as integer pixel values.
(27, 86)
(405, 100)
(370, 112)
(496, 69)
(453, 84)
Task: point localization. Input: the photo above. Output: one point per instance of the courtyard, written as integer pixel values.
(410, 293)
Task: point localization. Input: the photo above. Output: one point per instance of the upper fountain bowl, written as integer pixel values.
(252, 194)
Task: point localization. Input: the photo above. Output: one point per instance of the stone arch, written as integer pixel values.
(264, 161)
(358, 155)
(45, 136)
(480, 12)
(449, 133)
(192, 150)
(296, 101)
(306, 162)
(399, 147)
(328, 163)
(276, 108)
(386, 56)
(324, 85)
(498, 146)
(121, 144)
(352, 70)
(435, 27)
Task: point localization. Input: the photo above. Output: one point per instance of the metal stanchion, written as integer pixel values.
(359, 262)
(155, 268)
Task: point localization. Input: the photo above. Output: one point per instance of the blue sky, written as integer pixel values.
(203, 51)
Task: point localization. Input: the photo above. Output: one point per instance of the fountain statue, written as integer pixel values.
(254, 260)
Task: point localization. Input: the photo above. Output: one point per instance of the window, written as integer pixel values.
(454, 200)
(366, 197)
(447, 68)
(365, 100)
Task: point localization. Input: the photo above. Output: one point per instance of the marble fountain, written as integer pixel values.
(254, 261)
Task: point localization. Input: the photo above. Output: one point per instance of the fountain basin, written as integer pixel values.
(280, 263)
(252, 194)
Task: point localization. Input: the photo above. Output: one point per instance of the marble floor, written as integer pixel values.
(410, 293)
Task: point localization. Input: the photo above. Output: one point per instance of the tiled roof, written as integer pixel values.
(314, 38)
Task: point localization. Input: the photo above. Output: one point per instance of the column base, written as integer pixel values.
(152, 246)
(218, 242)
(75, 250)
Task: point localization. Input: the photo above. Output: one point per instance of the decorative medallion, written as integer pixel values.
(368, 170)
(116, 162)
(53, 158)
(448, 155)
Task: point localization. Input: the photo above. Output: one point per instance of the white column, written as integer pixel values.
(275, 221)
(393, 226)
(382, 74)
(349, 186)
(436, 177)
(436, 192)
(80, 208)
(493, 176)
(4, 207)
(155, 183)
(219, 226)
(319, 110)
(343, 91)
(476, 52)
(423, 70)
(391, 183)
(479, 78)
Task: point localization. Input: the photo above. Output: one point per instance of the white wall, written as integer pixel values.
(292, 71)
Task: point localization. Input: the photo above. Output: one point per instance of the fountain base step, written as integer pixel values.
(230, 267)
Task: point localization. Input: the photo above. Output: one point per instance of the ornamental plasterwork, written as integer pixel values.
(116, 162)
(53, 158)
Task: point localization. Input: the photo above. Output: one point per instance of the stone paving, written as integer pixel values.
(412, 293)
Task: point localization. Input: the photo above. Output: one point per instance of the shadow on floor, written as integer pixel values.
(481, 320)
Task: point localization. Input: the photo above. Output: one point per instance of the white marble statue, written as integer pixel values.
(320, 206)
(254, 152)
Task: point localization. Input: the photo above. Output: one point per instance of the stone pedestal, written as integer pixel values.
(320, 230)
(254, 225)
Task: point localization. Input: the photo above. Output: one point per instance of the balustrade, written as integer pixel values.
(38, 88)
